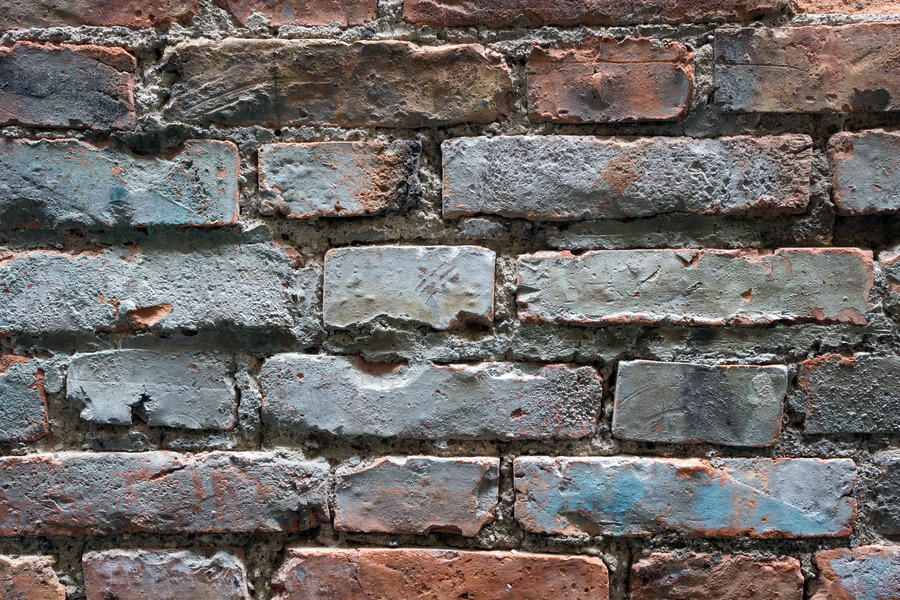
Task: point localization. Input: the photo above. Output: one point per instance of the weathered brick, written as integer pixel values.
(159, 492)
(367, 574)
(703, 577)
(865, 172)
(565, 178)
(696, 287)
(442, 286)
(863, 573)
(725, 498)
(890, 265)
(417, 495)
(67, 86)
(68, 183)
(21, 14)
(210, 574)
(190, 390)
(251, 286)
(455, 13)
(887, 493)
(605, 79)
(336, 179)
(809, 69)
(23, 400)
(303, 12)
(855, 394)
(847, 7)
(29, 578)
(388, 84)
(493, 401)
(689, 403)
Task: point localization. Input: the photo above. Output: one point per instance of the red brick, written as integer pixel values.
(604, 80)
(847, 7)
(29, 578)
(703, 577)
(67, 86)
(864, 573)
(496, 13)
(417, 495)
(20, 14)
(304, 12)
(376, 574)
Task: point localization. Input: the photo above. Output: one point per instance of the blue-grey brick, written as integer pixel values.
(724, 498)
(861, 573)
(441, 286)
(865, 172)
(190, 390)
(493, 401)
(23, 401)
(69, 183)
(686, 403)
(887, 493)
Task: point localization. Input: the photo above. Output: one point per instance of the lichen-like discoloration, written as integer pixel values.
(213, 574)
(568, 178)
(887, 492)
(23, 400)
(29, 578)
(104, 13)
(417, 495)
(863, 573)
(69, 183)
(725, 498)
(607, 80)
(441, 286)
(388, 84)
(159, 492)
(703, 577)
(67, 86)
(370, 573)
(690, 403)
(865, 172)
(809, 69)
(303, 12)
(336, 179)
(505, 401)
(696, 287)
(190, 390)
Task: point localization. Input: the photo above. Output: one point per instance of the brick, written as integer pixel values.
(189, 390)
(808, 69)
(847, 7)
(336, 179)
(69, 183)
(455, 13)
(303, 12)
(251, 286)
(863, 573)
(567, 178)
(700, 576)
(383, 574)
(725, 498)
(67, 86)
(417, 495)
(854, 394)
(485, 401)
(684, 403)
(696, 287)
(865, 170)
(608, 80)
(210, 574)
(370, 84)
(29, 578)
(159, 492)
(21, 14)
(441, 286)
(23, 400)
(887, 493)
(890, 266)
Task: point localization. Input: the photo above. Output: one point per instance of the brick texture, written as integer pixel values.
(887, 492)
(29, 578)
(67, 86)
(316, 573)
(866, 172)
(864, 573)
(21, 14)
(726, 498)
(388, 84)
(565, 178)
(846, 7)
(23, 399)
(606, 80)
(303, 12)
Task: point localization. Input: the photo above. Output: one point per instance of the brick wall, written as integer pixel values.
(440, 299)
